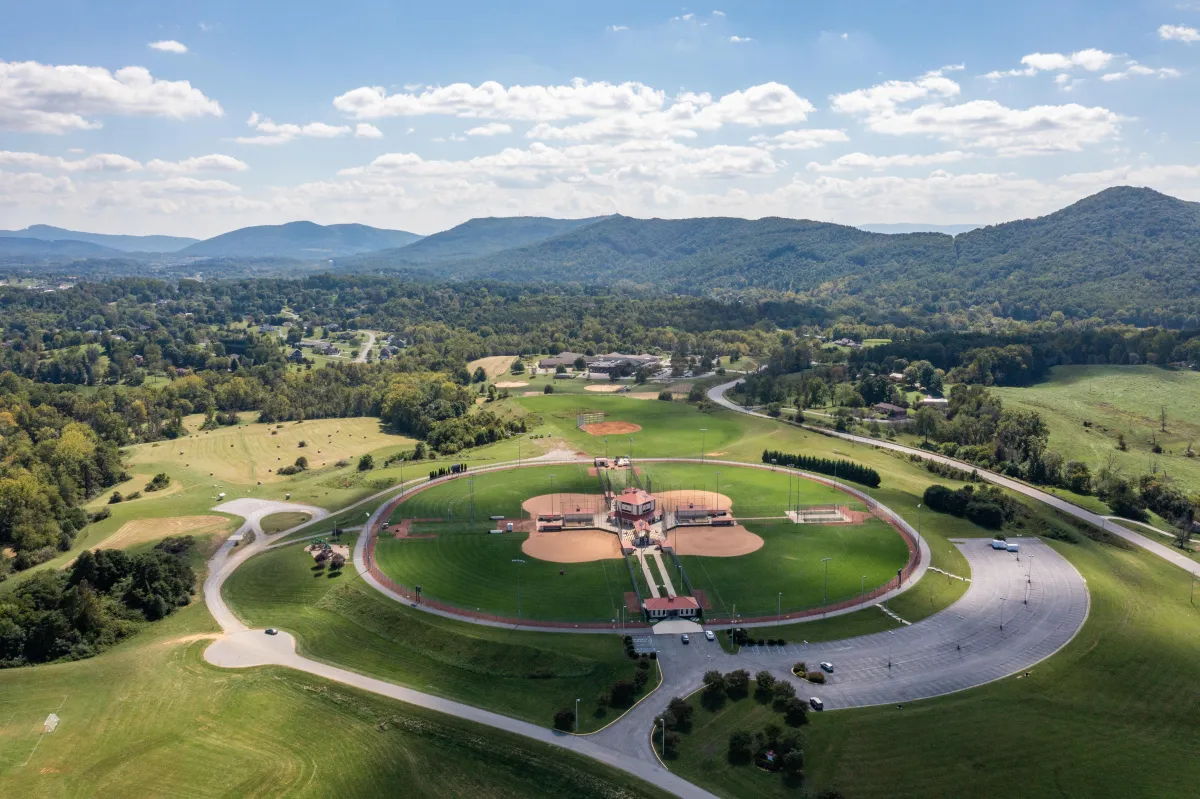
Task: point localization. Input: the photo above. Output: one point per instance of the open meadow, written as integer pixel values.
(1119, 400)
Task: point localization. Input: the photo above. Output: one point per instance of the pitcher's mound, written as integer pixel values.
(611, 428)
(572, 546)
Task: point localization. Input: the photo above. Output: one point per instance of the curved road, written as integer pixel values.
(717, 395)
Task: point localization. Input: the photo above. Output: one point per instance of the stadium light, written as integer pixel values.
(825, 591)
(703, 430)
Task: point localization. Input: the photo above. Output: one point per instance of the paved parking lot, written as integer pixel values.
(961, 647)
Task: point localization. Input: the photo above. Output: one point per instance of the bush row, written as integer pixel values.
(843, 469)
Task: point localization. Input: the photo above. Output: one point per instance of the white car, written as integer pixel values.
(816, 703)
(709, 635)
(827, 666)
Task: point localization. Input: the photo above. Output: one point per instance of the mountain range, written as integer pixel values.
(1130, 254)
(105, 240)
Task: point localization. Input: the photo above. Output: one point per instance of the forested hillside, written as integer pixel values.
(476, 238)
(1126, 254)
(304, 240)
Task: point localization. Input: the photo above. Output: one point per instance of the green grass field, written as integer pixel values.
(344, 621)
(467, 567)
(151, 718)
(1119, 400)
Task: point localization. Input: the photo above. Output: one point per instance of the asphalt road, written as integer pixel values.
(717, 395)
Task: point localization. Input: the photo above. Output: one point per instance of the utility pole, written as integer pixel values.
(576, 715)
(1003, 599)
(862, 592)
(779, 608)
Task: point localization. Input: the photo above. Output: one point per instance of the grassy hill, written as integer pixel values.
(1119, 400)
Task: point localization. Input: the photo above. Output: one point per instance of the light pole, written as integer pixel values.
(703, 430)
(471, 482)
(717, 485)
(918, 531)
(552, 494)
(825, 591)
(576, 715)
(779, 608)
(519, 562)
(631, 452)
(606, 449)
(863, 590)
(1003, 599)
(1029, 576)
(663, 746)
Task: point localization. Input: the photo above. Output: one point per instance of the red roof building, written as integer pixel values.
(672, 606)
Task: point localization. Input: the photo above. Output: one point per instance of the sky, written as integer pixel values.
(191, 118)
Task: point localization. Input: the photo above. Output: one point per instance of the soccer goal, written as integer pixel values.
(584, 418)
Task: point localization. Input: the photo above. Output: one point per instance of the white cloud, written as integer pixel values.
(1178, 33)
(1091, 60)
(740, 39)
(801, 139)
(490, 100)
(617, 28)
(169, 46)
(880, 162)
(365, 130)
(1134, 69)
(977, 123)
(270, 133)
(718, 13)
(203, 163)
(110, 162)
(684, 18)
(100, 162)
(44, 98)
(490, 129)
(757, 106)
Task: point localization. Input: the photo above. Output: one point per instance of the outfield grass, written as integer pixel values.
(1119, 400)
(151, 718)
(344, 621)
(467, 567)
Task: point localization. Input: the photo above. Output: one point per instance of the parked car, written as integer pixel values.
(709, 635)
(816, 703)
(827, 666)
(272, 631)
(684, 638)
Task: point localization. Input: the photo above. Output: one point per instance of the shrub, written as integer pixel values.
(795, 711)
(714, 682)
(301, 463)
(302, 443)
(564, 719)
(815, 676)
(740, 742)
(843, 469)
(159, 482)
(100, 515)
(549, 389)
(671, 744)
(134, 495)
(737, 683)
(798, 668)
(366, 463)
(764, 681)
(115, 498)
(622, 693)
(681, 710)
(783, 691)
(665, 396)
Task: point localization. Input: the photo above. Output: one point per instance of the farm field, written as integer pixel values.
(346, 622)
(1119, 400)
(248, 453)
(494, 366)
(151, 718)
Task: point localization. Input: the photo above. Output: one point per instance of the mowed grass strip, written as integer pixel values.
(151, 718)
(278, 522)
(344, 621)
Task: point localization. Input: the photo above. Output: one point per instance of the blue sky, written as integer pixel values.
(195, 118)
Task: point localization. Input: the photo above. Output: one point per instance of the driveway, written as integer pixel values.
(366, 348)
